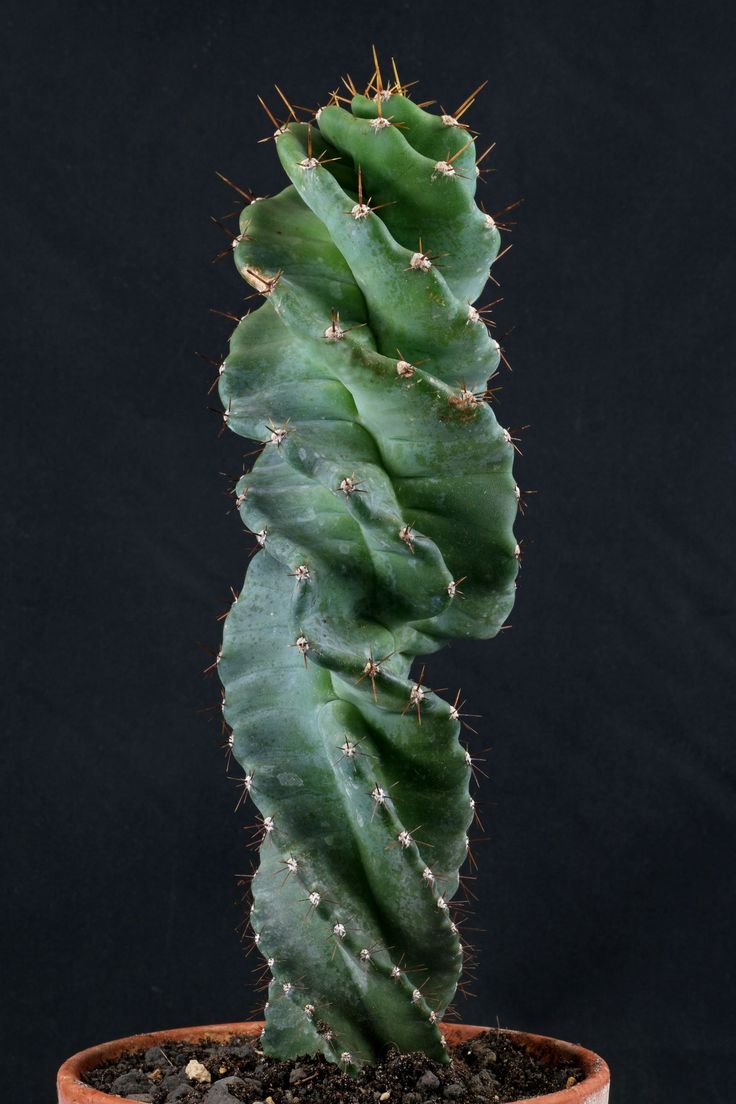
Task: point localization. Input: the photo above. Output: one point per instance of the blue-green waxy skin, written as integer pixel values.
(384, 478)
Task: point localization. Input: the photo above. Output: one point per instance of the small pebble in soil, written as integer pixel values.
(179, 1093)
(298, 1074)
(428, 1082)
(155, 1056)
(245, 1051)
(173, 1080)
(196, 1071)
(226, 1090)
(490, 1069)
(129, 1082)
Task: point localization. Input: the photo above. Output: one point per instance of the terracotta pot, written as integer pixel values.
(593, 1089)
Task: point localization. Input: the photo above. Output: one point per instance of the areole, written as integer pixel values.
(593, 1089)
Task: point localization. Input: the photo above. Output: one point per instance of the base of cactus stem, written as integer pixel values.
(593, 1089)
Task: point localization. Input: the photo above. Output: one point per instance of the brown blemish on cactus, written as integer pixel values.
(261, 281)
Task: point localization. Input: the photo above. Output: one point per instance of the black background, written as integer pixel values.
(607, 888)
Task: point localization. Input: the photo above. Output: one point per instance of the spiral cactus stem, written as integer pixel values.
(382, 500)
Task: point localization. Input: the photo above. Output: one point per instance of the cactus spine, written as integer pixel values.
(383, 481)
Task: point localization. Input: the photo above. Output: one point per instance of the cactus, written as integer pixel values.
(382, 502)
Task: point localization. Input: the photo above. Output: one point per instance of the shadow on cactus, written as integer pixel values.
(382, 501)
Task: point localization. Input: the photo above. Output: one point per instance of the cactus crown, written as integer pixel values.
(382, 502)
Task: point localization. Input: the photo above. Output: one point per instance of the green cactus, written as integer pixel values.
(384, 481)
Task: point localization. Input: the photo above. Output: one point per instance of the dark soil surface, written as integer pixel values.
(490, 1069)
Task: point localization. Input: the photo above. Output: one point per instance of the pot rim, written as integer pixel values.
(593, 1089)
